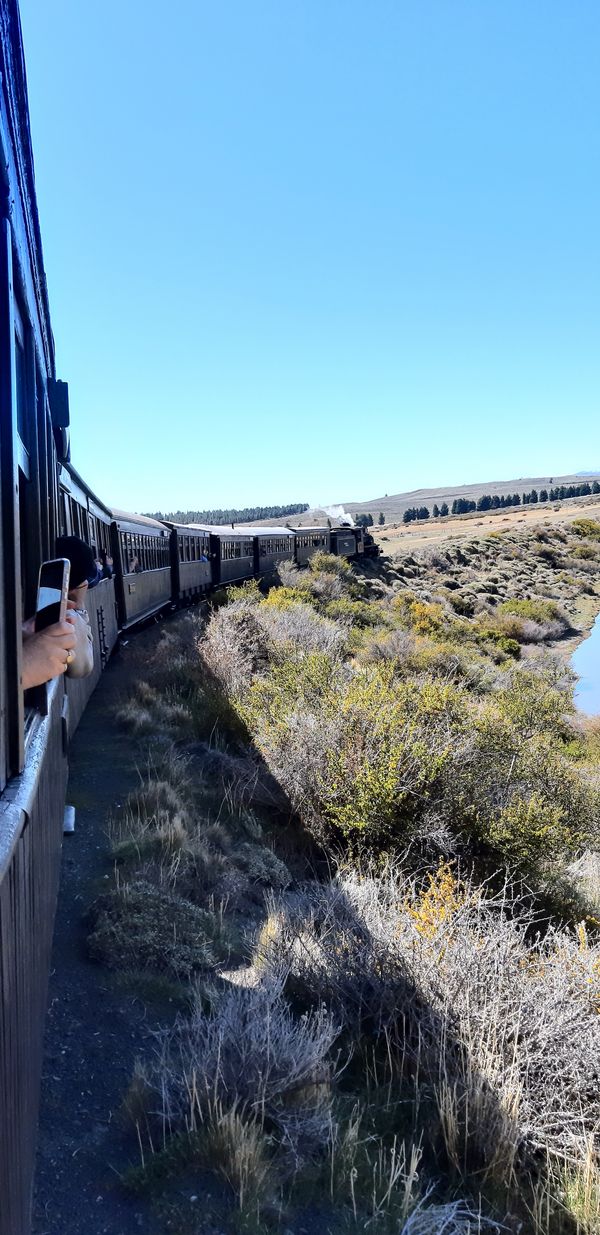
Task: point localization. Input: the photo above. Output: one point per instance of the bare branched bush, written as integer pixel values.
(300, 629)
(391, 645)
(452, 1218)
(234, 646)
(327, 586)
(505, 1028)
(250, 1053)
(292, 576)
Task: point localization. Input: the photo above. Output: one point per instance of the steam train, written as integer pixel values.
(161, 566)
(157, 566)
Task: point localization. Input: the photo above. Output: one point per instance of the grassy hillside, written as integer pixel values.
(394, 505)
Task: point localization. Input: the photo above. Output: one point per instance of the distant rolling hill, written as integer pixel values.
(394, 505)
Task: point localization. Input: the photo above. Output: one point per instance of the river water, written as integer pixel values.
(586, 663)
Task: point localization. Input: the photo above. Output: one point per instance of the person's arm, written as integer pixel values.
(45, 652)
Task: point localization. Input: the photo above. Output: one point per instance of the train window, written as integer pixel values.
(21, 376)
(93, 535)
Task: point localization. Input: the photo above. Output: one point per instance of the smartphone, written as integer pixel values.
(53, 587)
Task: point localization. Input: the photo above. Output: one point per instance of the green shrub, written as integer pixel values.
(138, 927)
(463, 605)
(536, 610)
(585, 552)
(284, 597)
(395, 740)
(502, 638)
(419, 615)
(586, 527)
(329, 563)
(362, 613)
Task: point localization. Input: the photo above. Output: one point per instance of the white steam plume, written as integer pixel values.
(340, 515)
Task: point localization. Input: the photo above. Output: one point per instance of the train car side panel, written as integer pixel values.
(311, 540)
(142, 561)
(31, 816)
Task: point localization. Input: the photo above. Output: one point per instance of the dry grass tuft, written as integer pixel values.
(503, 1026)
(250, 1053)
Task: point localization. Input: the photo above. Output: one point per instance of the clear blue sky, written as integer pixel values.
(320, 249)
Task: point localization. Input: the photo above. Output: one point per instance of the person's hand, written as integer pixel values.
(46, 653)
(77, 595)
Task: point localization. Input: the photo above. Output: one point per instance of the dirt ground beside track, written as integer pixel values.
(94, 1029)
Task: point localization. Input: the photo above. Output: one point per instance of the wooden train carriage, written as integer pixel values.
(142, 559)
(81, 513)
(191, 573)
(310, 540)
(271, 546)
(231, 553)
(34, 426)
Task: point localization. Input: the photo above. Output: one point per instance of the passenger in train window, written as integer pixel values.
(105, 564)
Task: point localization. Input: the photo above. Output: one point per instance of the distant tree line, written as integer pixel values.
(488, 501)
(415, 512)
(247, 515)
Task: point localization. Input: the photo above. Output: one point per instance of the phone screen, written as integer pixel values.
(53, 586)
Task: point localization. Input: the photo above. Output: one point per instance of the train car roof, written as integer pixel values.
(125, 516)
(83, 485)
(221, 529)
(184, 527)
(267, 531)
(309, 530)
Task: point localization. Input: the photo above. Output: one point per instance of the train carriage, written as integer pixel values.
(191, 572)
(271, 546)
(82, 514)
(231, 553)
(310, 540)
(142, 558)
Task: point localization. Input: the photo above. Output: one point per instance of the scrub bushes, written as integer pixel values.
(497, 1024)
(419, 737)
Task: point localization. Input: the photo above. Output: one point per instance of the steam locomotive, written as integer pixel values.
(157, 566)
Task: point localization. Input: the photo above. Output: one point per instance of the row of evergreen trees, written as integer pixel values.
(364, 520)
(247, 515)
(487, 501)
